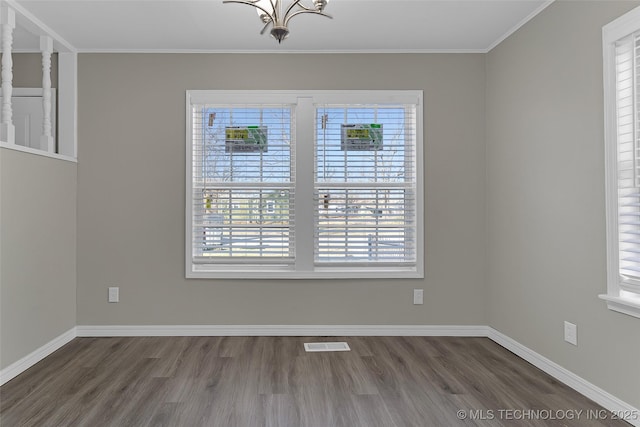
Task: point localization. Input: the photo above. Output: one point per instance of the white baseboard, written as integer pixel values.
(579, 384)
(281, 330)
(582, 386)
(35, 356)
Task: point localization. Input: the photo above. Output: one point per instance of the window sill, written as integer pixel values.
(623, 305)
(408, 273)
(29, 150)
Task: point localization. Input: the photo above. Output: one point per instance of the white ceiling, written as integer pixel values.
(209, 25)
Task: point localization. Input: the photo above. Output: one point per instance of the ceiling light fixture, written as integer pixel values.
(271, 13)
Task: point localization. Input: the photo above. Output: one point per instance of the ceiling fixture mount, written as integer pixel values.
(272, 12)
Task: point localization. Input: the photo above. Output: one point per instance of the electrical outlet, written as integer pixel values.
(570, 333)
(114, 294)
(418, 296)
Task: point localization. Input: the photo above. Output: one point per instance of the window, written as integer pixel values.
(364, 187)
(304, 184)
(621, 41)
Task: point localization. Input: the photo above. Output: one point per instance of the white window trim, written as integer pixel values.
(304, 182)
(616, 297)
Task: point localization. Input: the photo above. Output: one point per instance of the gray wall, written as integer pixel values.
(38, 246)
(131, 188)
(27, 70)
(37, 239)
(546, 212)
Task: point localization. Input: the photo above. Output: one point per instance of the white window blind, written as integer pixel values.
(242, 192)
(621, 72)
(627, 64)
(365, 192)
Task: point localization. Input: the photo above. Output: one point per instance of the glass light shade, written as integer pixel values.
(266, 5)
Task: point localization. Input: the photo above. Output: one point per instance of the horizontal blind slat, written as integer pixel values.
(242, 209)
(365, 193)
(627, 63)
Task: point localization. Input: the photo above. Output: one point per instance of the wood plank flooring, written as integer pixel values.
(272, 382)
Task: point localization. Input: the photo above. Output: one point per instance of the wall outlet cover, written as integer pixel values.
(418, 296)
(571, 333)
(114, 294)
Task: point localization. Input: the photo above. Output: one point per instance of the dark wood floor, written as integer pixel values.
(271, 381)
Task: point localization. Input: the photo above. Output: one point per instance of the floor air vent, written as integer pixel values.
(326, 346)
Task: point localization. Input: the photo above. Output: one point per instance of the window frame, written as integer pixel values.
(617, 297)
(304, 130)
